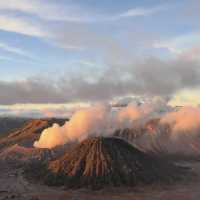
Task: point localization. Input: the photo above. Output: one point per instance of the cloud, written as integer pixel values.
(5, 58)
(179, 44)
(150, 77)
(136, 12)
(21, 25)
(70, 12)
(40, 110)
(15, 50)
(73, 22)
(123, 75)
(38, 91)
(170, 46)
(186, 97)
(36, 113)
(44, 10)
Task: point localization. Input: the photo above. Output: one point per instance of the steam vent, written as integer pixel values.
(100, 162)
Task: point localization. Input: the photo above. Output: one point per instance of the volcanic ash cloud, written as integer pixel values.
(184, 122)
(84, 123)
(98, 120)
(176, 131)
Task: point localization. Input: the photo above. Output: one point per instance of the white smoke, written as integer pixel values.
(98, 120)
(184, 121)
(94, 121)
(175, 131)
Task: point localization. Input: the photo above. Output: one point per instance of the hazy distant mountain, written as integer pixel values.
(8, 124)
(18, 145)
(28, 132)
(154, 138)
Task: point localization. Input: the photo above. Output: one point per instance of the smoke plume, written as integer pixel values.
(84, 123)
(98, 120)
(186, 121)
(175, 131)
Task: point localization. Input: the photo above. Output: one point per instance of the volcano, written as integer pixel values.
(28, 132)
(154, 137)
(99, 162)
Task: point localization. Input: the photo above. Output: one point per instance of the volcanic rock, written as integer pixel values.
(99, 162)
(20, 153)
(29, 132)
(9, 124)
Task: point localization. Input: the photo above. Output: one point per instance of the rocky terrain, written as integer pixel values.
(28, 132)
(96, 163)
(13, 185)
(99, 162)
(10, 124)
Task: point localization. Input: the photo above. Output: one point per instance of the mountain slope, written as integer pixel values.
(97, 162)
(10, 124)
(28, 133)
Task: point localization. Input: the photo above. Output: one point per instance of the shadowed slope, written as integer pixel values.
(28, 133)
(97, 162)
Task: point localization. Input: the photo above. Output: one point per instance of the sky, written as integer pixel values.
(55, 54)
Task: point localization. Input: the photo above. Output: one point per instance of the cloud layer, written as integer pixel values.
(76, 28)
(150, 77)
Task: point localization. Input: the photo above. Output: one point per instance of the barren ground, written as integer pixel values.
(14, 186)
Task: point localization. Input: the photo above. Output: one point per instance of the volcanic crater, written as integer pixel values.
(108, 161)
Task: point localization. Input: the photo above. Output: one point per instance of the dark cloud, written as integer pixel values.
(150, 77)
